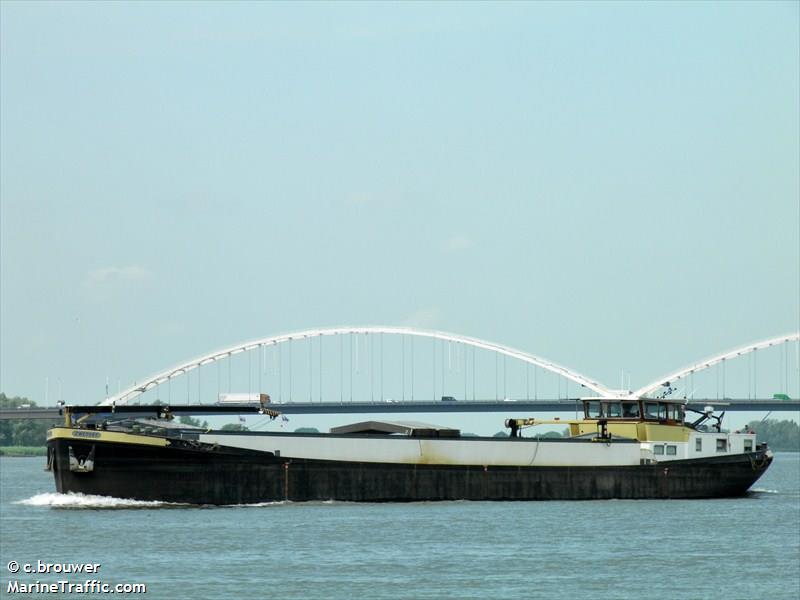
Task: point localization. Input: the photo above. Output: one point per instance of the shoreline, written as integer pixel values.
(23, 451)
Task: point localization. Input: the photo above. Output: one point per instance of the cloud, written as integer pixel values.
(424, 318)
(99, 283)
(113, 274)
(459, 242)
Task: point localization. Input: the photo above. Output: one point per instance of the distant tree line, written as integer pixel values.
(193, 422)
(23, 432)
(543, 435)
(782, 436)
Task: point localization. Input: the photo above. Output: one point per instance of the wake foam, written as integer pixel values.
(764, 491)
(77, 501)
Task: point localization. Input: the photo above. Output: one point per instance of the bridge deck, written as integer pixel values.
(507, 406)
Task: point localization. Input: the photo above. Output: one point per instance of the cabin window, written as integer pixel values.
(658, 450)
(630, 410)
(748, 445)
(722, 445)
(698, 444)
(672, 450)
(593, 410)
(651, 410)
(614, 409)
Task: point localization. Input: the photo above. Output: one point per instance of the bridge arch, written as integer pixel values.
(132, 392)
(714, 360)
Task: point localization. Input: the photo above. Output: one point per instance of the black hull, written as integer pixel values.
(201, 474)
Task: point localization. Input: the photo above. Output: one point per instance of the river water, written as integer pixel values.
(728, 549)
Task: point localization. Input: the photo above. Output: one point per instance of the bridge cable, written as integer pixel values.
(403, 366)
(444, 371)
(724, 370)
(433, 364)
(505, 395)
(412, 369)
(527, 381)
(341, 369)
(464, 356)
(755, 376)
(351, 366)
(496, 384)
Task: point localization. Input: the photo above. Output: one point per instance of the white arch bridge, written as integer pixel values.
(585, 386)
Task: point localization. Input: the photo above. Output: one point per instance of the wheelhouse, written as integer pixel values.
(660, 411)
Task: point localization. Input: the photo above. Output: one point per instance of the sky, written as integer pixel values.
(607, 185)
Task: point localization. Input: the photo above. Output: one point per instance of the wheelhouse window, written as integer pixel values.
(613, 410)
(594, 410)
(659, 411)
(722, 445)
(630, 410)
(651, 410)
(748, 445)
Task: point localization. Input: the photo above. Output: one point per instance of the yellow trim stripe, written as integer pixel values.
(644, 431)
(91, 435)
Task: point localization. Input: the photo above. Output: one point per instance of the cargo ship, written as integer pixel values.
(621, 448)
